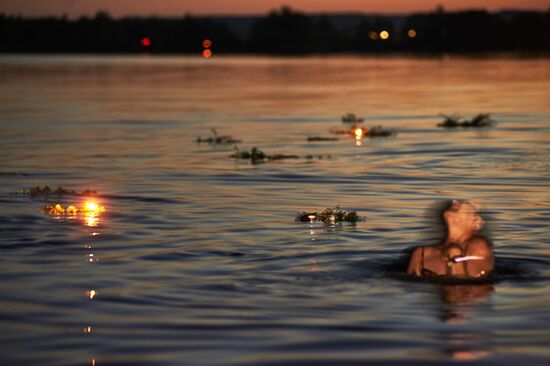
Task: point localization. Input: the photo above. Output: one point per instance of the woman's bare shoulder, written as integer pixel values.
(479, 247)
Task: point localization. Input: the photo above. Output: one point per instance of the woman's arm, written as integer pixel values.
(415, 263)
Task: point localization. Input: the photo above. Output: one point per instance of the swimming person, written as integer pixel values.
(463, 254)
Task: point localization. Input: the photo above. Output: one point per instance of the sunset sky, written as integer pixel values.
(117, 8)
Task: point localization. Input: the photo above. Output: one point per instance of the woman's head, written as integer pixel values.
(463, 215)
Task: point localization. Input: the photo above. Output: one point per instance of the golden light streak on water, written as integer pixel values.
(92, 221)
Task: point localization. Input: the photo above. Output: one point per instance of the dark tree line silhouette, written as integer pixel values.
(282, 31)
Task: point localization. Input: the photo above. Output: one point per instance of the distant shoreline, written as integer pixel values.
(313, 14)
(283, 32)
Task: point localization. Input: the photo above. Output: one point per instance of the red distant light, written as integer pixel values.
(145, 41)
(207, 43)
(207, 53)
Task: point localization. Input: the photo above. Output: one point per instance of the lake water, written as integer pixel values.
(198, 260)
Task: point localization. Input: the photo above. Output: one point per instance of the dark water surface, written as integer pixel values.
(197, 259)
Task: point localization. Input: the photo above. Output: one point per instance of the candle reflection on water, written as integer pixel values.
(91, 294)
(92, 211)
(92, 221)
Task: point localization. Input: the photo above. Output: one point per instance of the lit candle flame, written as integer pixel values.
(91, 294)
(92, 208)
(358, 133)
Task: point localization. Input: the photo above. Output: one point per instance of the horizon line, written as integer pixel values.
(258, 15)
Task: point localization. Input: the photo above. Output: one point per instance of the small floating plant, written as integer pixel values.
(319, 157)
(258, 156)
(378, 131)
(89, 213)
(218, 140)
(351, 118)
(329, 216)
(59, 191)
(89, 208)
(13, 173)
(453, 121)
(358, 131)
(320, 138)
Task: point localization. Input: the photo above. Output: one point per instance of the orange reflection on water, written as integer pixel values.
(314, 267)
(469, 355)
(92, 221)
